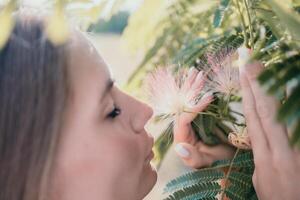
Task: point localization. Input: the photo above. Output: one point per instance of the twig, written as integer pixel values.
(228, 173)
(243, 21)
(250, 24)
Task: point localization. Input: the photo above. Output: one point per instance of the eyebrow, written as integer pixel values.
(108, 86)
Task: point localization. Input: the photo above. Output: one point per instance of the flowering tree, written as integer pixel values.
(204, 98)
(216, 38)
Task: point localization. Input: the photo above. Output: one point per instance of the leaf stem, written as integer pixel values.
(216, 116)
(250, 24)
(226, 107)
(238, 113)
(243, 22)
(228, 173)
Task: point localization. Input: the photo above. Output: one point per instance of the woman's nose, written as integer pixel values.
(142, 114)
(148, 111)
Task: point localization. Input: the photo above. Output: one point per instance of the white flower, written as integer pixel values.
(171, 95)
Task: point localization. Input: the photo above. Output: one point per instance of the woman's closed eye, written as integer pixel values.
(114, 113)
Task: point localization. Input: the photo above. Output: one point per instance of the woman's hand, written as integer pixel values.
(193, 152)
(277, 165)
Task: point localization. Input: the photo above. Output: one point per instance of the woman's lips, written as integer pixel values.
(149, 157)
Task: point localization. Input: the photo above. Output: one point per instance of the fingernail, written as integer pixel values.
(244, 54)
(181, 151)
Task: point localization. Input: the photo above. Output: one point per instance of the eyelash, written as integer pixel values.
(114, 113)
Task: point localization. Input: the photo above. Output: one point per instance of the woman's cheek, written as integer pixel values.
(123, 145)
(126, 151)
(123, 163)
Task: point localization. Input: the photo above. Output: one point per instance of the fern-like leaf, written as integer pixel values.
(197, 191)
(241, 179)
(244, 160)
(192, 178)
(220, 12)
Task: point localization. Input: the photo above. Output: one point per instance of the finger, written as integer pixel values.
(266, 107)
(217, 152)
(183, 132)
(182, 126)
(192, 157)
(254, 127)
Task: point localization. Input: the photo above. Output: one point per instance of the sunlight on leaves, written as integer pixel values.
(290, 19)
(58, 29)
(85, 13)
(7, 24)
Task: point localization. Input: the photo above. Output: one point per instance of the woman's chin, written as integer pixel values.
(154, 172)
(149, 179)
(152, 176)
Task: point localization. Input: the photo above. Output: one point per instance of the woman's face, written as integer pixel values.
(104, 152)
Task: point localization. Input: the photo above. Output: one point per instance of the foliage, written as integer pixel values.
(116, 24)
(188, 31)
(275, 44)
(82, 13)
(6, 22)
(208, 183)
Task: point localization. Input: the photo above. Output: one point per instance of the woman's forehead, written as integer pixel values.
(87, 69)
(84, 55)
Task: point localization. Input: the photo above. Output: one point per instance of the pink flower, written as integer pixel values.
(224, 71)
(170, 95)
(224, 66)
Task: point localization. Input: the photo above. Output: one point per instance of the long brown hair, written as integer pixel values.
(33, 90)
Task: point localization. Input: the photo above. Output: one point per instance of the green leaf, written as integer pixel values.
(220, 12)
(191, 178)
(271, 19)
(288, 74)
(162, 144)
(289, 18)
(235, 193)
(241, 179)
(244, 160)
(268, 74)
(290, 105)
(198, 191)
(203, 125)
(254, 197)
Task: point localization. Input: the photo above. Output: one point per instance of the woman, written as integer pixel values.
(67, 133)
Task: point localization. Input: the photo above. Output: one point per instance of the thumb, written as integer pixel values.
(182, 126)
(183, 133)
